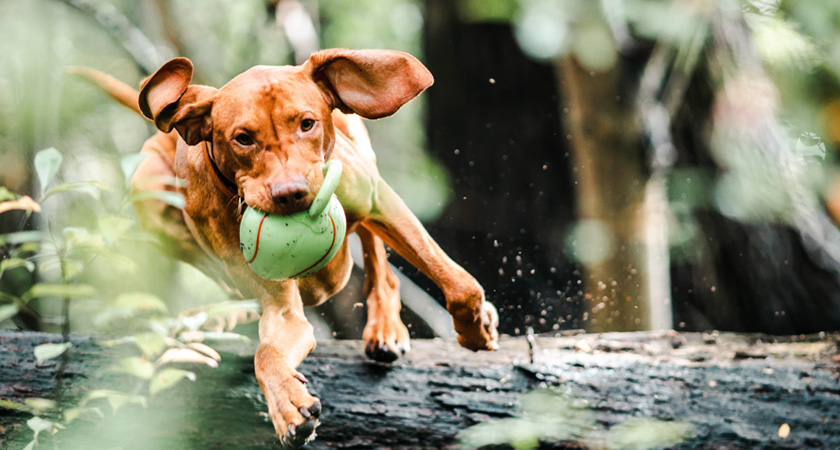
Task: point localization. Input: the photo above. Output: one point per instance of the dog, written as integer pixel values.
(262, 140)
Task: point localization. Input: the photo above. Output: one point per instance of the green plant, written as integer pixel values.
(65, 263)
(548, 416)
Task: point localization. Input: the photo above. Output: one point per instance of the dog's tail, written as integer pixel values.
(119, 91)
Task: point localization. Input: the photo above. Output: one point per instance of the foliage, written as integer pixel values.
(551, 417)
(64, 259)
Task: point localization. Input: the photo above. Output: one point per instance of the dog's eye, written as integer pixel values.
(244, 140)
(307, 124)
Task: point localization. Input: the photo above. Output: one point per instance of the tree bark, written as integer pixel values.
(735, 390)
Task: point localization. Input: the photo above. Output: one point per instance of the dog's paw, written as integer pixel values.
(298, 435)
(385, 352)
(293, 411)
(386, 340)
(481, 333)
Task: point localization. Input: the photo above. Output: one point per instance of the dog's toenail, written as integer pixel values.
(315, 409)
(291, 429)
(381, 353)
(306, 429)
(304, 412)
(301, 378)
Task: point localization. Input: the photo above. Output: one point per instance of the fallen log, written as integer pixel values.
(736, 391)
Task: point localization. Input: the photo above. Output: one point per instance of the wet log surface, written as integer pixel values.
(735, 390)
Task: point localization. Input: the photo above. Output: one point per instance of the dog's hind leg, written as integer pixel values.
(386, 337)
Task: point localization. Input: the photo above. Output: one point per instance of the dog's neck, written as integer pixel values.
(223, 184)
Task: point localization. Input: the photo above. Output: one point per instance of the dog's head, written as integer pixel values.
(271, 127)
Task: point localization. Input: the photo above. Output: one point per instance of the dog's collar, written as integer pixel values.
(223, 184)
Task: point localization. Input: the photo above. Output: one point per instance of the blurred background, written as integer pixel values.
(600, 165)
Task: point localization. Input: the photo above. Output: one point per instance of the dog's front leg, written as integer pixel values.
(475, 319)
(285, 339)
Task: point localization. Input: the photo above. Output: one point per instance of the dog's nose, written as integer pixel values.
(290, 193)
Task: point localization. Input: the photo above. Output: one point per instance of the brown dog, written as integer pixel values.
(262, 140)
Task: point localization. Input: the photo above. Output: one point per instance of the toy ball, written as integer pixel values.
(296, 245)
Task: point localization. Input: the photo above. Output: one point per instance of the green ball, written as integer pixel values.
(296, 245)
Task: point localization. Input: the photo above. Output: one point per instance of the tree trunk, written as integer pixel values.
(610, 177)
(735, 390)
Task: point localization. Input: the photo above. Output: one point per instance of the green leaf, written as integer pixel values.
(6, 297)
(30, 247)
(140, 301)
(171, 198)
(38, 425)
(59, 290)
(12, 263)
(40, 404)
(44, 352)
(193, 322)
(8, 311)
(644, 434)
(115, 398)
(114, 227)
(117, 341)
(118, 262)
(74, 234)
(110, 317)
(71, 268)
(167, 378)
(225, 336)
(227, 307)
(97, 394)
(6, 195)
(212, 336)
(161, 329)
(187, 355)
(80, 241)
(136, 366)
(74, 413)
(515, 431)
(129, 164)
(46, 165)
(22, 237)
(151, 344)
(94, 188)
(8, 404)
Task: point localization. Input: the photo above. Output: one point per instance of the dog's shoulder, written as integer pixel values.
(352, 128)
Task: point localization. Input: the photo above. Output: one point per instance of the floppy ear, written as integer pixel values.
(370, 83)
(168, 99)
